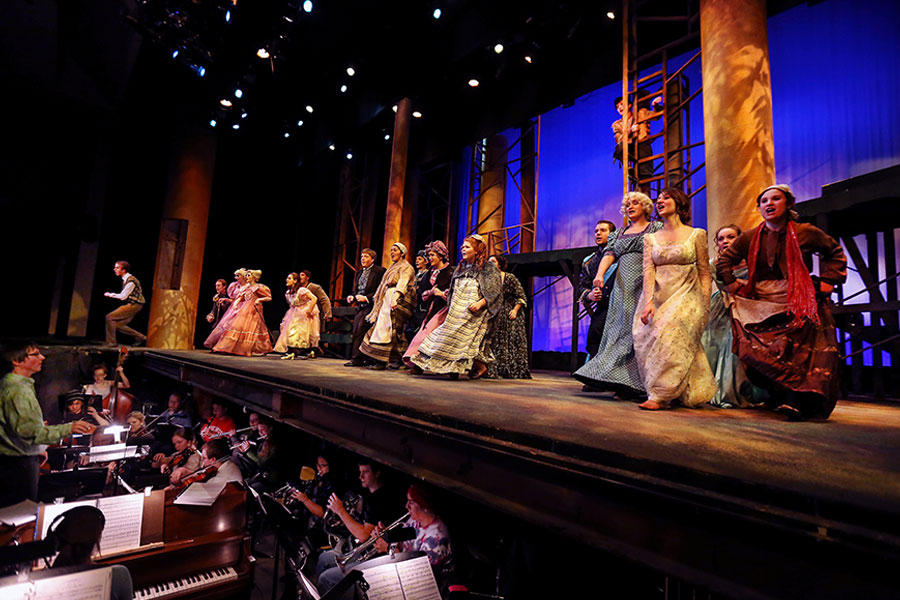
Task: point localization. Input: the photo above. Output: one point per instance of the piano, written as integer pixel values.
(205, 552)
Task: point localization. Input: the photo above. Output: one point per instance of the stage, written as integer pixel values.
(738, 500)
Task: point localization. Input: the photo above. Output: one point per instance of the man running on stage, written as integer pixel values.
(133, 301)
(22, 429)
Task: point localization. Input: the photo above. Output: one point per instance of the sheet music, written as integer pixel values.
(19, 514)
(124, 515)
(95, 584)
(51, 511)
(384, 583)
(201, 494)
(417, 579)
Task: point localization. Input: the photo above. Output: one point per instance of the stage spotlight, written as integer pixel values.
(243, 115)
(308, 6)
(498, 48)
(300, 123)
(212, 122)
(228, 16)
(343, 89)
(473, 83)
(288, 19)
(235, 126)
(175, 54)
(238, 93)
(309, 109)
(387, 136)
(286, 134)
(394, 108)
(528, 59)
(262, 53)
(437, 13)
(349, 155)
(351, 71)
(225, 102)
(331, 147)
(417, 114)
(610, 15)
(202, 71)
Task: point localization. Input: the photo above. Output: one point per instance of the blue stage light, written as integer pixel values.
(228, 16)
(212, 122)
(238, 93)
(235, 126)
(175, 54)
(437, 13)
(308, 6)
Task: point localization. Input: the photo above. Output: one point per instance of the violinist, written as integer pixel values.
(101, 386)
(242, 443)
(137, 431)
(76, 410)
(216, 454)
(184, 461)
(220, 424)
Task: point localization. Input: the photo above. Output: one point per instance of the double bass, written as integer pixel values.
(118, 402)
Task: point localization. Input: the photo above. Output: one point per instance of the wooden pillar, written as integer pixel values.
(528, 204)
(182, 239)
(737, 109)
(393, 220)
(493, 193)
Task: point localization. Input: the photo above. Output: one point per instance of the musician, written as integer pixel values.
(22, 429)
(219, 425)
(315, 499)
(184, 461)
(101, 386)
(132, 302)
(175, 413)
(215, 454)
(76, 410)
(379, 506)
(242, 443)
(137, 431)
(432, 535)
(269, 474)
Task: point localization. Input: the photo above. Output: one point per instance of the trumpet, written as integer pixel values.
(366, 550)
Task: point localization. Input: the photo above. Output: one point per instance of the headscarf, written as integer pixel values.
(785, 189)
(439, 248)
(400, 247)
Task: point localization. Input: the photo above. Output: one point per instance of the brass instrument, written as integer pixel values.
(367, 549)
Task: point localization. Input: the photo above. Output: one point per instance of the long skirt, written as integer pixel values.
(247, 335)
(386, 340)
(224, 323)
(298, 330)
(432, 324)
(461, 339)
(780, 355)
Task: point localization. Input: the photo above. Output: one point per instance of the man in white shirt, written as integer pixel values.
(133, 301)
(216, 452)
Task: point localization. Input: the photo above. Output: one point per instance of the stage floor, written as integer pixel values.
(853, 457)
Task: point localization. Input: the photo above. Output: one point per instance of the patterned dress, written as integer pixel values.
(234, 290)
(386, 341)
(462, 337)
(509, 338)
(614, 367)
(247, 335)
(300, 326)
(668, 349)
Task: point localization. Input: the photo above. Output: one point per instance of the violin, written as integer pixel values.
(200, 475)
(118, 402)
(178, 459)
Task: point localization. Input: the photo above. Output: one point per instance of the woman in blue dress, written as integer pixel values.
(614, 368)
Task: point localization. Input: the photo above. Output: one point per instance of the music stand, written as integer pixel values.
(71, 484)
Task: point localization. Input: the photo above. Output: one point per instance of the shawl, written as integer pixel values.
(394, 275)
(489, 282)
(801, 293)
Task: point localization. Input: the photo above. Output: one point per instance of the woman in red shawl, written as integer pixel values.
(783, 329)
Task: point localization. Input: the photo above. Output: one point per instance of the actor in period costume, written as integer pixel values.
(366, 283)
(783, 329)
(235, 289)
(414, 323)
(132, 302)
(435, 296)
(509, 334)
(596, 302)
(247, 335)
(221, 301)
(386, 341)
(672, 311)
(299, 332)
(614, 366)
(735, 390)
(460, 343)
(322, 299)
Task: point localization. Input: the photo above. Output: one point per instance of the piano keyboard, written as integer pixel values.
(187, 584)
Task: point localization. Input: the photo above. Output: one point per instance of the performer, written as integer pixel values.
(596, 302)
(386, 342)
(235, 289)
(509, 335)
(782, 311)
(322, 301)
(414, 323)
(637, 136)
(432, 535)
(735, 390)
(77, 411)
(368, 278)
(132, 302)
(435, 298)
(184, 461)
(22, 429)
(221, 302)
(216, 455)
(614, 367)
(300, 326)
(175, 413)
(219, 425)
(460, 343)
(315, 500)
(101, 386)
(247, 334)
(674, 303)
(268, 461)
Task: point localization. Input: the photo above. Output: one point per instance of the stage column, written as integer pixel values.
(393, 220)
(182, 239)
(737, 109)
(493, 193)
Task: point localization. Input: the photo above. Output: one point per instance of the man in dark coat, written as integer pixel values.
(368, 277)
(596, 308)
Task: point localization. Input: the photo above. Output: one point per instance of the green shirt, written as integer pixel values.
(22, 428)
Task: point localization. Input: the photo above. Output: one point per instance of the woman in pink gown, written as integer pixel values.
(247, 335)
(234, 289)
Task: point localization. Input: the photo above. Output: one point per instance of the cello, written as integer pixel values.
(118, 402)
